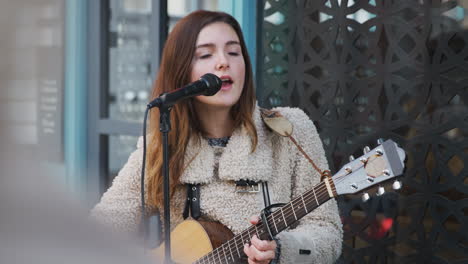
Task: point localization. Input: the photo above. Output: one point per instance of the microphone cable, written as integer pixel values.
(144, 220)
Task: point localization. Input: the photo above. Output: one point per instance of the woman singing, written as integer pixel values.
(220, 145)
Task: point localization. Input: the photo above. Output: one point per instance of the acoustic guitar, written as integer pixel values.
(212, 243)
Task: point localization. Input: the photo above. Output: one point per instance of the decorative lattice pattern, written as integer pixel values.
(372, 69)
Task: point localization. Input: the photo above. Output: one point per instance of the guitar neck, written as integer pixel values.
(233, 250)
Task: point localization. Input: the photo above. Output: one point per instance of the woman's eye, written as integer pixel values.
(234, 53)
(204, 56)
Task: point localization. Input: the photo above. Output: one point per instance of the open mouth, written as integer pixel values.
(226, 80)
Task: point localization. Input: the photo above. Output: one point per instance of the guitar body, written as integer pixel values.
(191, 240)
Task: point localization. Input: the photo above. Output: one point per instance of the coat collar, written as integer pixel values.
(236, 163)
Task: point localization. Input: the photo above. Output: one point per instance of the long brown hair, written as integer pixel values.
(174, 72)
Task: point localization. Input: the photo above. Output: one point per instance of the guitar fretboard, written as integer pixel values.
(233, 250)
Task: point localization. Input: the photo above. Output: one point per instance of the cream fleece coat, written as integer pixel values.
(275, 160)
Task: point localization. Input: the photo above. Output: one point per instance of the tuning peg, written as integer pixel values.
(348, 169)
(396, 185)
(380, 141)
(365, 197)
(380, 191)
(351, 158)
(386, 172)
(366, 149)
(379, 152)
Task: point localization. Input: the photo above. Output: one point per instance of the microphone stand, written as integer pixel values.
(164, 128)
(209, 84)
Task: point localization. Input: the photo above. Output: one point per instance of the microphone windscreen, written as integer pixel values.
(213, 83)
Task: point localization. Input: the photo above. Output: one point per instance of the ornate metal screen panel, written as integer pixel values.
(364, 70)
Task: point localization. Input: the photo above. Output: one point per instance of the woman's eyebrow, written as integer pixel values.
(232, 42)
(206, 45)
(211, 45)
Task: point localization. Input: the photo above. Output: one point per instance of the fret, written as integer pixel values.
(279, 221)
(305, 207)
(315, 196)
(237, 248)
(250, 235)
(285, 223)
(243, 242)
(253, 232)
(294, 212)
(256, 231)
(224, 253)
(219, 255)
(262, 230)
(212, 259)
(247, 241)
(298, 207)
(230, 250)
(273, 219)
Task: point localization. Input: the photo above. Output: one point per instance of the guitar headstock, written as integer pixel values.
(380, 164)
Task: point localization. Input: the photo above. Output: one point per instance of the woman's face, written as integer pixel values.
(218, 51)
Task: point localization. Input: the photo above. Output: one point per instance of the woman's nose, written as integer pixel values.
(222, 63)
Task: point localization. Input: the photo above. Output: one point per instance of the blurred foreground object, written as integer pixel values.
(40, 223)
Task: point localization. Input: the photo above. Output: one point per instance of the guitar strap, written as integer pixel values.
(283, 127)
(192, 203)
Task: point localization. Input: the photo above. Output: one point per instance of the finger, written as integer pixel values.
(261, 256)
(263, 245)
(248, 252)
(258, 256)
(254, 220)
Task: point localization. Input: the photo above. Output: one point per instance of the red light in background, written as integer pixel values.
(379, 229)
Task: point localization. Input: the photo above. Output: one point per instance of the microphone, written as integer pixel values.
(209, 84)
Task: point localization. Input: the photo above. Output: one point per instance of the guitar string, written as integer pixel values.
(288, 212)
(322, 192)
